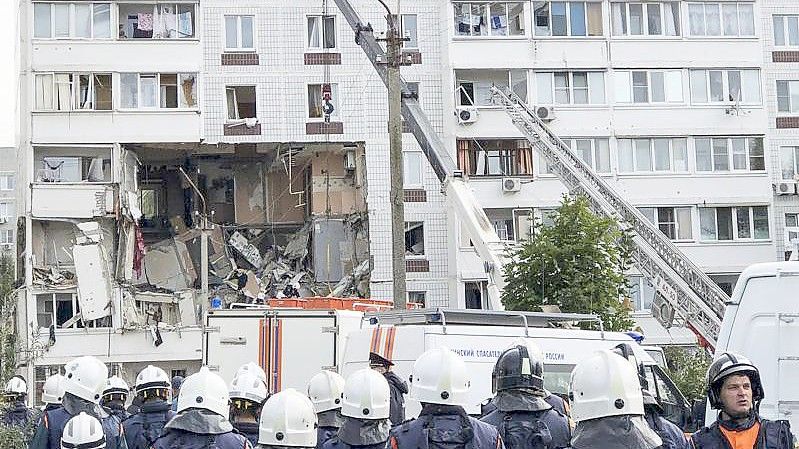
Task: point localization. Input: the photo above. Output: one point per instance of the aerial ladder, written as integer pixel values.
(685, 294)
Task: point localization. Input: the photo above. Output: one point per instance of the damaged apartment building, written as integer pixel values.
(139, 156)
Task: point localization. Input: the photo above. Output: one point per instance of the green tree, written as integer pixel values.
(9, 437)
(578, 264)
(688, 370)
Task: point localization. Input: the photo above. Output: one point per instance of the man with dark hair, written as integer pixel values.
(398, 387)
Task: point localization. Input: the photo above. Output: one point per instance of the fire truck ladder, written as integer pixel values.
(682, 288)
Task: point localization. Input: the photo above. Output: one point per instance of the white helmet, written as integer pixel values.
(252, 368)
(205, 390)
(53, 389)
(288, 420)
(326, 390)
(248, 386)
(152, 378)
(366, 395)
(16, 386)
(83, 431)
(605, 384)
(440, 377)
(116, 385)
(86, 378)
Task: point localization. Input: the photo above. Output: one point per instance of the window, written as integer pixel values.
(653, 155)
(594, 152)
(725, 86)
(6, 237)
(241, 102)
(41, 373)
(7, 182)
(789, 162)
(646, 19)
(6, 211)
(674, 222)
(489, 18)
(414, 238)
(72, 20)
(418, 298)
(788, 96)
(154, 90)
(474, 86)
(786, 31)
(409, 29)
(323, 100)
(649, 86)
(239, 33)
(321, 32)
(721, 154)
(412, 168)
(474, 292)
(72, 165)
(500, 157)
(641, 292)
(717, 19)
(159, 21)
(61, 310)
(570, 87)
(73, 92)
(523, 222)
(567, 18)
(734, 223)
(792, 228)
(503, 222)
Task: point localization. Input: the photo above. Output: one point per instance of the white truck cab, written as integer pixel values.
(761, 322)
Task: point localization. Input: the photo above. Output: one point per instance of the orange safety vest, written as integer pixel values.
(742, 439)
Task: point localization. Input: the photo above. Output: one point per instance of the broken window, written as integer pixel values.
(414, 238)
(502, 220)
(72, 20)
(159, 21)
(62, 310)
(241, 102)
(151, 199)
(500, 157)
(417, 297)
(321, 32)
(158, 90)
(474, 86)
(322, 100)
(239, 33)
(73, 165)
(474, 293)
(489, 18)
(73, 91)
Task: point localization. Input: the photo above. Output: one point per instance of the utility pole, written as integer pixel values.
(394, 61)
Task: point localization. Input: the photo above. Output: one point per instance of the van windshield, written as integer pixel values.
(556, 378)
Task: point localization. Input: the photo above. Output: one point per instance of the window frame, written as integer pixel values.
(460, 91)
(735, 224)
(72, 21)
(730, 154)
(334, 96)
(721, 34)
(9, 186)
(423, 255)
(794, 155)
(652, 156)
(645, 17)
(7, 237)
(417, 164)
(177, 4)
(157, 75)
(568, 34)
(74, 91)
(792, 109)
(570, 87)
(786, 32)
(676, 223)
(457, 35)
(322, 29)
(626, 77)
(572, 142)
(239, 35)
(227, 111)
(725, 85)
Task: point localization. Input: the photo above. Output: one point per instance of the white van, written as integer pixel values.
(481, 336)
(761, 322)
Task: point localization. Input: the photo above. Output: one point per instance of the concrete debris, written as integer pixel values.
(168, 265)
(52, 277)
(146, 309)
(355, 283)
(247, 250)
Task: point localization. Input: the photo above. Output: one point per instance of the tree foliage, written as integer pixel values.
(9, 436)
(578, 264)
(688, 370)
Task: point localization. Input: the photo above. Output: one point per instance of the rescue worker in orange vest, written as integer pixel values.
(735, 389)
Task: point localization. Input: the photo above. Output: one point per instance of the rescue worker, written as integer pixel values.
(398, 386)
(522, 416)
(84, 432)
(441, 384)
(202, 417)
(734, 388)
(52, 391)
(253, 369)
(326, 390)
(84, 381)
(115, 396)
(177, 381)
(607, 405)
(365, 408)
(17, 413)
(152, 391)
(288, 420)
(247, 396)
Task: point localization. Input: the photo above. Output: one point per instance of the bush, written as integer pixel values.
(688, 369)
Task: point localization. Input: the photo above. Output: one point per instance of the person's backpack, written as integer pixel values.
(524, 433)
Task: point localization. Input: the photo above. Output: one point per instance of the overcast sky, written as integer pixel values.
(8, 84)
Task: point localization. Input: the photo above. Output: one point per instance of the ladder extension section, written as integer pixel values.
(686, 288)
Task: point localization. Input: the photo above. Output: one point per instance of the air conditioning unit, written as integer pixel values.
(545, 113)
(466, 114)
(785, 188)
(511, 185)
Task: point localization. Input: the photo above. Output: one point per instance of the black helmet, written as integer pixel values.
(726, 364)
(518, 368)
